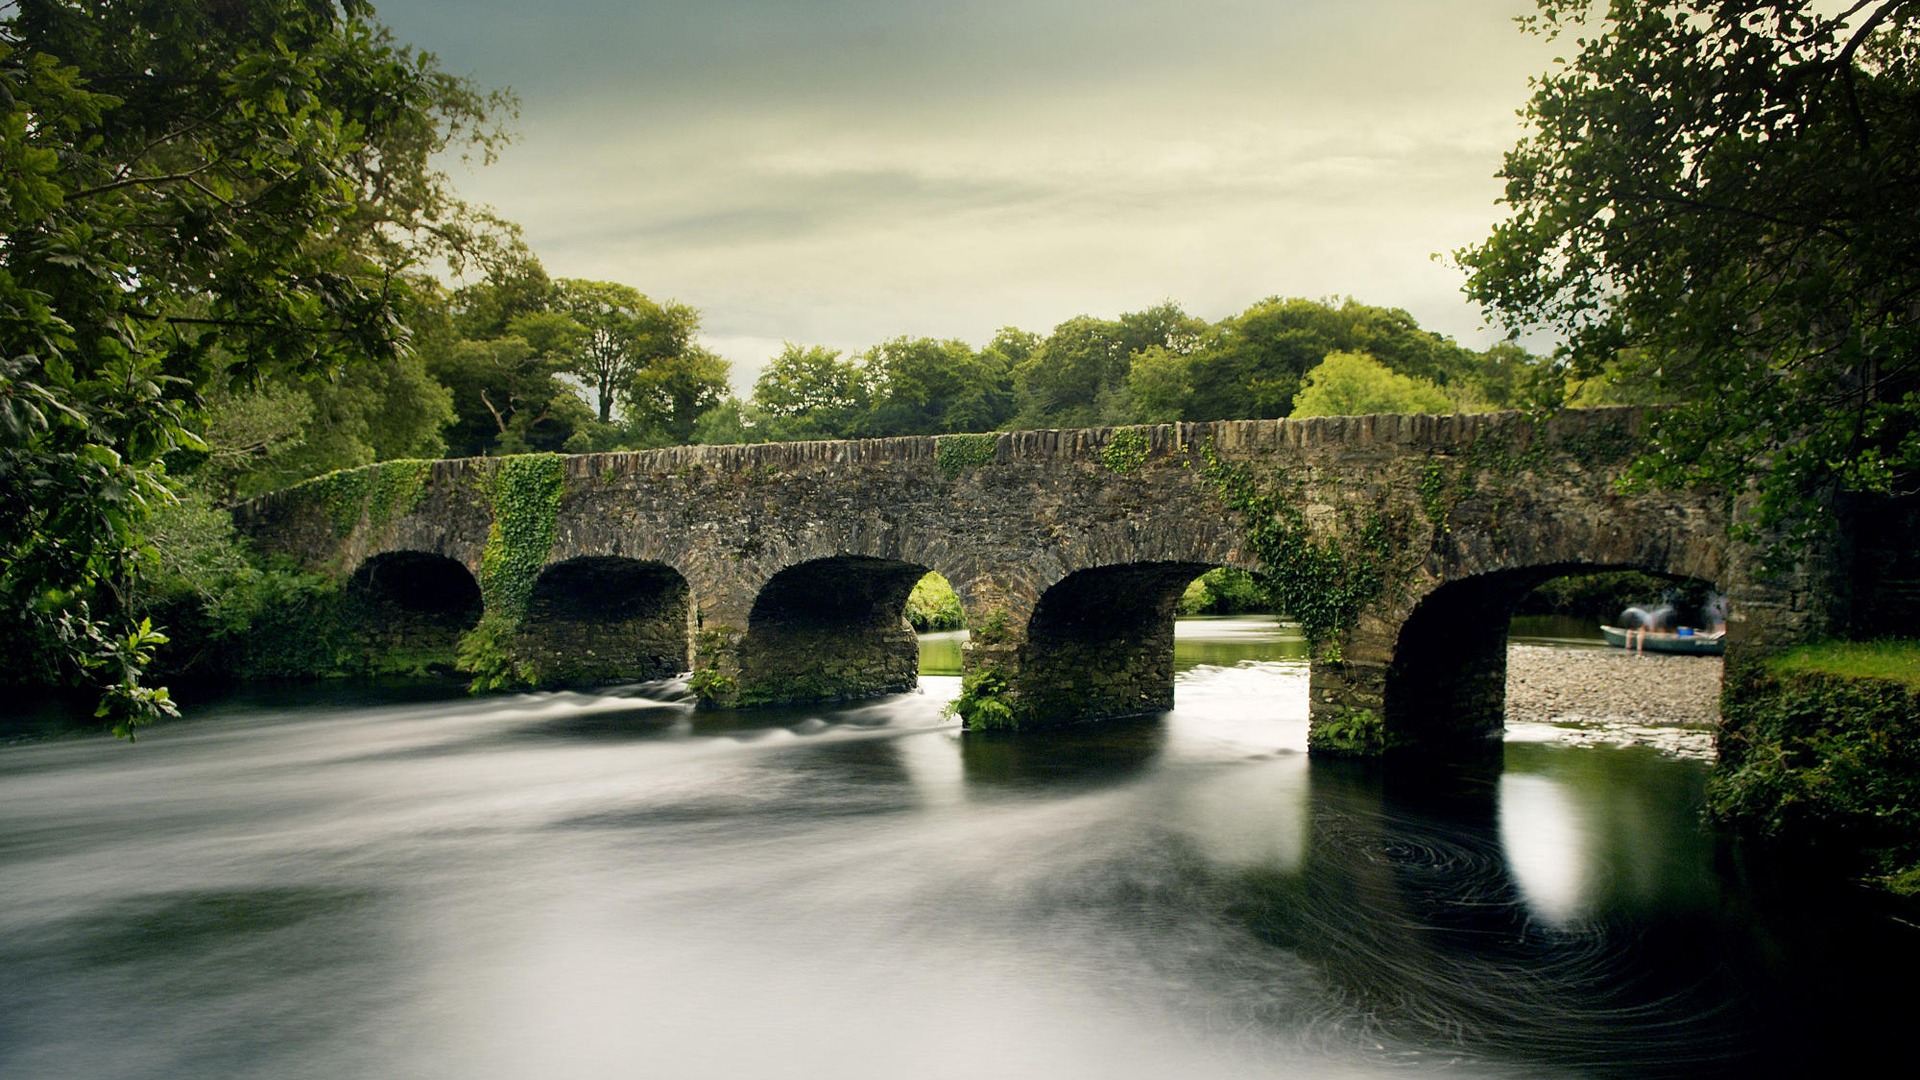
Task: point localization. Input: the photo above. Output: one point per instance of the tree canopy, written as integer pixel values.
(617, 334)
(190, 193)
(1355, 384)
(1719, 202)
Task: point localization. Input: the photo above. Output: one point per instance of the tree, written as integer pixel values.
(188, 191)
(811, 392)
(668, 396)
(724, 424)
(921, 386)
(508, 397)
(1720, 201)
(1252, 366)
(620, 333)
(514, 285)
(1078, 375)
(1160, 384)
(1355, 384)
(503, 356)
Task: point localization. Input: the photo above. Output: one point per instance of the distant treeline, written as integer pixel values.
(1279, 357)
(520, 362)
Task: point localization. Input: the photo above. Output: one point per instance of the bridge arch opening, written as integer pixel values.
(1446, 684)
(1100, 643)
(831, 629)
(601, 619)
(410, 608)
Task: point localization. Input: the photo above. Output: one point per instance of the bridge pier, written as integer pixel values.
(602, 619)
(828, 629)
(1095, 645)
(1100, 645)
(1346, 703)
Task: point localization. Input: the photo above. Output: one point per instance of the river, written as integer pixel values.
(343, 881)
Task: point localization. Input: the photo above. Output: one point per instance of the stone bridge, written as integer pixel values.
(778, 573)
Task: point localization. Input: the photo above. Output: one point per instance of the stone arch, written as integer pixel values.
(831, 629)
(1445, 685)
(596, 619)
(1100, 643)
(411, 607)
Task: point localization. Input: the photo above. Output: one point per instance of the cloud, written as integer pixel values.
(846, 171)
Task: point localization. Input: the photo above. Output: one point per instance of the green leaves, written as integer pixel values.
(1715, 208)
(117, 660)
(1324, 582)
(1355, 384)
(955, 454)
(526, 505)
(984, 702)
(189, 191)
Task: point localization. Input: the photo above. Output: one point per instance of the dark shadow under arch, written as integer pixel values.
(1100, 643)
(1447, 683)
(600, 619)
(419, 583)
(408, 610)
(831, 629)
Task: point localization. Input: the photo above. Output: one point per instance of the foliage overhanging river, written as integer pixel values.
(337, 882)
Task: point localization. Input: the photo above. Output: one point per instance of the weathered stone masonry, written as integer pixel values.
(777, 573)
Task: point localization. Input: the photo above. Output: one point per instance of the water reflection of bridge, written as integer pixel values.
(778, 573)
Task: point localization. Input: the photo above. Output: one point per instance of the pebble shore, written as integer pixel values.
(1614, 696)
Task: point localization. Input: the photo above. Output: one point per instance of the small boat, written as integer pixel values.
(1690, 642)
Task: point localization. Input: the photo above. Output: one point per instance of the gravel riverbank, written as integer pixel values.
(1613, 696)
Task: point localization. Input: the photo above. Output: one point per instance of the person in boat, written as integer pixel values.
(1638, 622)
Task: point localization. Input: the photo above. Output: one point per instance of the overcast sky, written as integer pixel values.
(840, 172)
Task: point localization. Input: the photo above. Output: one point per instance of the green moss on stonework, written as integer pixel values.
(1325, 583)
(1351, 733)
(956, 454)
(983, 702)
(526, 510)
(525, 492)
(1126, 450)
(376, 493)
(1502, 462)
(396, 489)
(1433, 495)
(341, 495)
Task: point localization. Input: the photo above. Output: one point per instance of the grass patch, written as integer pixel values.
(1896, 661)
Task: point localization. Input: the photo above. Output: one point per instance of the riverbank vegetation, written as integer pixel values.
(1820, 753)
(933, 606)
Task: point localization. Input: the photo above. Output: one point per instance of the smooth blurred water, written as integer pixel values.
(329, 882)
